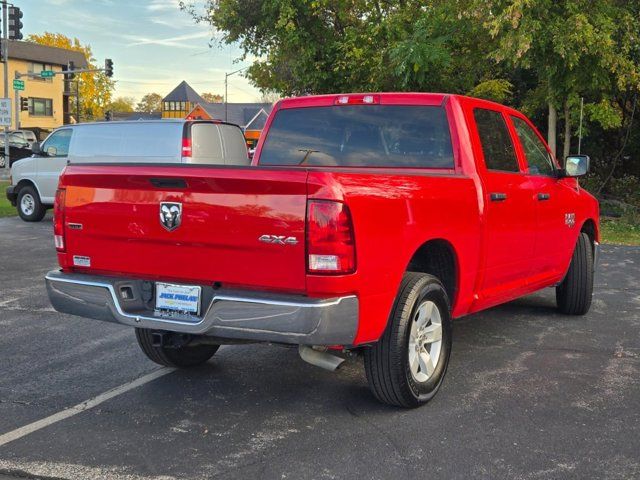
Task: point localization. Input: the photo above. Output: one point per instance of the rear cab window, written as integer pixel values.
(360, 136)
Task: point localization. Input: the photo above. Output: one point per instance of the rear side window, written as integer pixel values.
(131, 141)
(360, 135)
(497, 147)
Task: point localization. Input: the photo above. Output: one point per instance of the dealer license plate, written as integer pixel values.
(178, 298)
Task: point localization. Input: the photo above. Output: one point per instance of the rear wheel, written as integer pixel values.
(29, 206)
(180, 357)
(407, 365)
(573, 295)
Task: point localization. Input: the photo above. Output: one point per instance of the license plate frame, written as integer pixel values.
(172, 298)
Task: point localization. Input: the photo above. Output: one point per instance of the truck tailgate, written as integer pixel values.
(113, 217)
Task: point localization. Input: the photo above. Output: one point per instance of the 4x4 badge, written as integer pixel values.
(170, 215)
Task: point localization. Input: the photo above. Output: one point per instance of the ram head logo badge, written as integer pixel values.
(170, 215)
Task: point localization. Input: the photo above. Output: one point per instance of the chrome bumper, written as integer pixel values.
(229, 314)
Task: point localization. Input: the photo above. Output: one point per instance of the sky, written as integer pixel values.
(153, 45)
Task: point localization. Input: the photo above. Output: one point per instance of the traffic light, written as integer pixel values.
(108, 67)
(107, 116)
(24, 104)
(70, 68)
(15, 25)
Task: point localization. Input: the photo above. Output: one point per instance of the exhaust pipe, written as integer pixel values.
(320, 358)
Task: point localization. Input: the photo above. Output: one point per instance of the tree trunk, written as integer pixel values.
(551, 130)
(567, 129)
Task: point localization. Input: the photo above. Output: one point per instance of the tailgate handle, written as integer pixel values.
(168, 182)
(498, 197)
(543, 196)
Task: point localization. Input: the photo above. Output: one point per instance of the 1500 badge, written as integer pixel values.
(570, 219)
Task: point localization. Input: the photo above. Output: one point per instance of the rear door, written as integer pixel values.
(52, 161)
(509, 210)
(206, 144)
(235, 145)
(554, 236)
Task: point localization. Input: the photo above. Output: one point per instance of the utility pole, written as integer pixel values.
(78, 101)
(226, 82)
(5, 56)
(16, 95)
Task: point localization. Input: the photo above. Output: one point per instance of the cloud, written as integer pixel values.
(177, 42)
(163, 5)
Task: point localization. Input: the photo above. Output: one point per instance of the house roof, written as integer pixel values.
(184, 93)
(41, 53)
(248, 115)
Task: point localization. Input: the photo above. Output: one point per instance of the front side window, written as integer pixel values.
(60, 142)
(539, 159)
(497, 147)
(360, 136)
(41, 107)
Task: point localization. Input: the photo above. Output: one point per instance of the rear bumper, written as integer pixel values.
(12, 195)
(232, 314)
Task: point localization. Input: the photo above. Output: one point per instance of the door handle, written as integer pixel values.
(498, 197)
(543, 196)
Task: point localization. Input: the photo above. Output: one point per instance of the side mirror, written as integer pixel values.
(52, 151)
(576, 165)
(35, 148)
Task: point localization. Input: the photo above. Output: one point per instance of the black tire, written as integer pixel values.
(387, 363)
(573, 295)
(31, 210)
(181, 357)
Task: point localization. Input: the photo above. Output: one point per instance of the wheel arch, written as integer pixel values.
(27, 182)
(590, 227)
(438, 257)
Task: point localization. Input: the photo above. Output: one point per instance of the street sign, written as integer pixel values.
(18, 84)
(47, 73)
(5, 112)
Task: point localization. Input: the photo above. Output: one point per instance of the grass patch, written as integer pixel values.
(619, 230)
(6, 209)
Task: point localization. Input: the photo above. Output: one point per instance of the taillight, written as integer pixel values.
(357, 100)
(331, 244)
(186, 148)
(58, 219)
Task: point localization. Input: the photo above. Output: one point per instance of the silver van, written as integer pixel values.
(34, 179)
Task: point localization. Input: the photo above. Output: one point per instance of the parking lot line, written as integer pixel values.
(81, 407)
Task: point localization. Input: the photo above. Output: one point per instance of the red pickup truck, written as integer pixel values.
(365, 224)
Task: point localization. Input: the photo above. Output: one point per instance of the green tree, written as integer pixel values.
(575, 47)
(121, 104)
(151, 102)
(96, 89)
(212, 97)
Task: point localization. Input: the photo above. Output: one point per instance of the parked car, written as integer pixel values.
(366, 223)
(34, 180)
(21, 138)
(15, 154)
(20, 142)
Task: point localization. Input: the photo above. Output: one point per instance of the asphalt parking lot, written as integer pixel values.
(530, 394)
